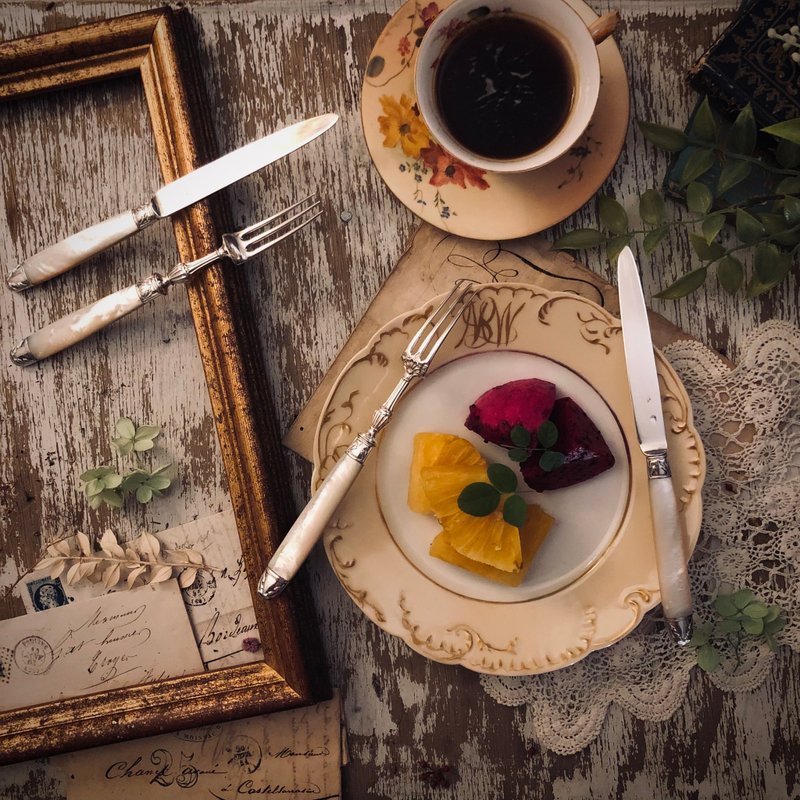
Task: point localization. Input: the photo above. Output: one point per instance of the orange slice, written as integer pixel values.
(532, 535)
(443, 485)
(437, 449)
(489, 540)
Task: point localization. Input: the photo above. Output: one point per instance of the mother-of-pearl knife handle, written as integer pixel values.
(311, 523)
(71, 251)
(670, 542)
(77, 326)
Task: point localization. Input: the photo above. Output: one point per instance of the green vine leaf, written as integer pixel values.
(743, 132)
(708, 659)
(730, 273)
(771, 267)
(670, 139)
(686, 284)
(732, 174)
(651, 207)
(704, 250)
(791, 211)
(653, 239)
(616, 245)
(478, 499)
(704, 126)
(787, 154)
(748, 229)
(711, 226)
(698, 163)
(788, 186)
(789, 130)
(612, 215)
(698, 197)
(580, 239)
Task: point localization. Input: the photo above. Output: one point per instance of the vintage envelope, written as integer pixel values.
(292, 754)
(121, 639)
(218, 602)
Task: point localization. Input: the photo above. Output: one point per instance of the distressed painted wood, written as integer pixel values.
(266, 64)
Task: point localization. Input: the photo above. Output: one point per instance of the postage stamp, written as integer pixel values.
(47, 593)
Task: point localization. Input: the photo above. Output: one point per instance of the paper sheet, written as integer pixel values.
(292, 754)
(122, 639)
(219, 604)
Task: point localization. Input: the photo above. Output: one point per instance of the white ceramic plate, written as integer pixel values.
(596, 574)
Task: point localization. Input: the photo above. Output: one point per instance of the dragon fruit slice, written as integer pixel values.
(586, 451)
(525, 402)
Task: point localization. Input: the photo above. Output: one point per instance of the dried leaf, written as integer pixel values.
(86, 568)
(58, 568)
(83, 543)
(111, 575)
(134, 574)
(193, 557)
(131, 554)
(47, 563)
(63, 547)
(110, 546)
(73, 573)
(160, 573)
(148, 546)
(187, 577)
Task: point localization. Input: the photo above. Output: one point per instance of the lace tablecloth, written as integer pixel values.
(749, 420)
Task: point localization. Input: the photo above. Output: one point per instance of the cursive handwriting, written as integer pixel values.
(213, 636)
(287, 752)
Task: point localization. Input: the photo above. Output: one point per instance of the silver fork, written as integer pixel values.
(417, 357)
(236, 247)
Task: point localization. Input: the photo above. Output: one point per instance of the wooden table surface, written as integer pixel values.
(64, 161)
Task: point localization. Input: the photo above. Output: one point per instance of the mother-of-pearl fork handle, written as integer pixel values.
(77, 326)
(70, 252)
(308, 528)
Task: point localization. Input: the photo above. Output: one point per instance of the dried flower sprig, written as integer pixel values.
(139, 562)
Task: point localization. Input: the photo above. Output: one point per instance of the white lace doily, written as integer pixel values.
(749, 420)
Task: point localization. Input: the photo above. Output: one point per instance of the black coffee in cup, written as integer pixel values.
(504, 86)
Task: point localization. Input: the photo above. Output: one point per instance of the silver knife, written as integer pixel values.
(668, 528)
(173, 197)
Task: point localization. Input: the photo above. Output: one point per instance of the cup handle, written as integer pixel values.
(604, 26)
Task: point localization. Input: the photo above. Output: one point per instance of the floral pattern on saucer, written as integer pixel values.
(459, 198)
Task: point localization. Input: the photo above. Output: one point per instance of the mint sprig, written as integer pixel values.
(546, 437)
(480, 499)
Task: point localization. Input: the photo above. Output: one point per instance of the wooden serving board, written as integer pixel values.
(428, 267)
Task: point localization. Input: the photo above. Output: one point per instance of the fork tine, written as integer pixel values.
(443, 315)
(268, 239)
(245, 231)
(261, 230)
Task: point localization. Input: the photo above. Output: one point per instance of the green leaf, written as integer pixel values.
(144, 494)
(112, 481)
(616, 245)
(775, 625)
(478, 499)
(753, 626)
(94, 487)
(732, 174)
(147, 432)
(502, 477)
(669, 139)
(700, 636)
(773, 612)
(791, 211)
(725, 606)
(789, 130)
(698, 197)
(788, 186)
(778, 229)
(520, 436)
(771, 266)
(730, 274)
(97, 472)
(771, 643)
(711, 226)
(706, 251)
(742, 135)
(580, 239)
(651, 207)
(162, 468)
(748, 229)
(547, 434)
(612, 215)
(686, 284)
(551, 459)
(707, 658)
(140, 445)
(653, 238)
(743, 598)
(727, 626)
(704, 126)
(159, 482)
(787, 154)
(125, 428)
(698, 163)
(756, 610)
(122, 444)
(515, 511)
(133, 480)
(111, 498)
(518, 454)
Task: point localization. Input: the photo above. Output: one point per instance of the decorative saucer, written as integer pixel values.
(595, 575)
(458, 198)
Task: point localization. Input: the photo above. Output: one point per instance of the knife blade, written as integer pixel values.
(668, 528)
(172, 197)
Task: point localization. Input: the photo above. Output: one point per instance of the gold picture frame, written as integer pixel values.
(159, 46)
